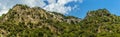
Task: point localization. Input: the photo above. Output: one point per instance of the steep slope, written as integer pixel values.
(100, 23)
(23, 13)
(23, 21)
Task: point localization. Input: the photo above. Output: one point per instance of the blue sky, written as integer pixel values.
(112, 5)
(77, 8)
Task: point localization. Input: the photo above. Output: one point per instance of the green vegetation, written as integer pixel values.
(101, 23)
(0, 17)
(23, 21)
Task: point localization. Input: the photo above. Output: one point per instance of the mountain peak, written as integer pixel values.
(23, 13)
(23, 21)
(100, 15)
(99, 12)
(22, 17)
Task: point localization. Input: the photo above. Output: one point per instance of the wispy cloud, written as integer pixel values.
(0, 4)
(60, 7)
(53, 5)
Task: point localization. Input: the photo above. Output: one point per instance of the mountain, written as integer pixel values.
(23, 13)
(100, 23)
(24, 21)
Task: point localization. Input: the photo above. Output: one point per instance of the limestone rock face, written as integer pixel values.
(22, 18)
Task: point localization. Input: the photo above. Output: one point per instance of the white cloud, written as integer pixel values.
(51, 1)
(59, 6)
(33, 3)
(3, 10)
(0, 4)
(53, 5)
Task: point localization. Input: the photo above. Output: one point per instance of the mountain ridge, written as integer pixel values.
(23, 18)
(23, 10)
(23, 21)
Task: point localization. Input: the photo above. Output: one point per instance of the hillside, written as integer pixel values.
(23, 21)
(100, 23)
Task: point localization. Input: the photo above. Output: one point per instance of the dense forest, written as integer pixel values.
(23, 21)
